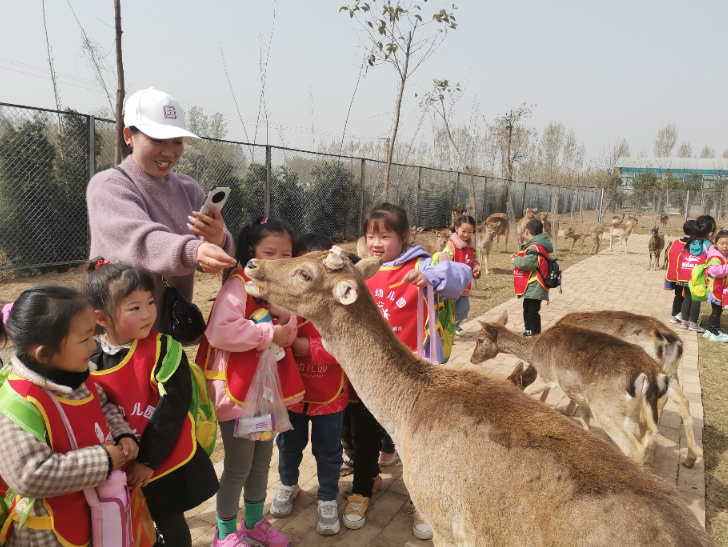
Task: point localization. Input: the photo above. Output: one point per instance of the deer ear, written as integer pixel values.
(502, 319)
(369, 266)
(345, 292)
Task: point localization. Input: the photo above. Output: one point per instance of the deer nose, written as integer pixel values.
(251, 265)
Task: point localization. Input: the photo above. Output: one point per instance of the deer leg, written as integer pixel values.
(540, 386)
(585, 415)
(623, 438)
(487, 255)
(676, 395)
(569, 408)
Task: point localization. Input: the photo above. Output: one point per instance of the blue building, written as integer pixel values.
(711, 169)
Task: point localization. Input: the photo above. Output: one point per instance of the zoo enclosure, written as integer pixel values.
(47, 158)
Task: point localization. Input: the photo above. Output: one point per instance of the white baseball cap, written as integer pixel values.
(156, 114)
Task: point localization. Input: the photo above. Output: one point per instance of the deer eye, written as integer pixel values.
(304, 275)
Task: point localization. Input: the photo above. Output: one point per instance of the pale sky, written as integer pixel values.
(604, 69)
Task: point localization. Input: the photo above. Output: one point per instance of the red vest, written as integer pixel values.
(716, 284)
(680, 262)
(132, 387)
(323, 383)
(398, 301)
(70, 515)
(466, 255)
(240, 366)
(522, 278)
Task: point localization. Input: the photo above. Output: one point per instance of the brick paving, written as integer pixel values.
(592, 284)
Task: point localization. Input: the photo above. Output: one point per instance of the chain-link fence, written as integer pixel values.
(47, 158)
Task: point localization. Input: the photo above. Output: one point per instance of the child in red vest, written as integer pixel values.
(529, 272)
(52, 329)
(323, 406)
(395, 290)
(229, 354)
(174, 472)
(716, 273)
(671, 281)
(461, 248)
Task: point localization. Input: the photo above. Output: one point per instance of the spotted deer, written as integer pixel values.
(621, 232)
(499, 223)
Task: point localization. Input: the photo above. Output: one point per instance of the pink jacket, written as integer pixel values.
(229, 331)
(460, 244)
(714, 270)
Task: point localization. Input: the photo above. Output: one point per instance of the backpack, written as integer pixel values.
(697, 283)
(552, 279)
(201, 408)
(445, 310)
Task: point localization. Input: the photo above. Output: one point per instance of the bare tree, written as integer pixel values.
(512, 137)
(665, 140)
(56, 95)
(725, 153)
(707, 152)
(685, 150)
(404, 40)
(119, 86)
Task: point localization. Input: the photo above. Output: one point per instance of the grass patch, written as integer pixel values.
(714, 381)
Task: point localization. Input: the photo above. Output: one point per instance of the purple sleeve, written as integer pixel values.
(448, 278)
(716, 270)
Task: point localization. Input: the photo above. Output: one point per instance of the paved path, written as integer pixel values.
(589, 285)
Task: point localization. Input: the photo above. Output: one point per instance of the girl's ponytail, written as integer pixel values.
(704, 225)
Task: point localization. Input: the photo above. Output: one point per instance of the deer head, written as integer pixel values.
(655, 231)
(442, 237)
(312, 285)
(486, 347)
(529, 213)
(544, 216)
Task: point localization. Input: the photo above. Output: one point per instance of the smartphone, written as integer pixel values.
(215, 198)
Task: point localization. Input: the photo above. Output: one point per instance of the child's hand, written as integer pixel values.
(130, 448)
(416, 277)
(138, 474)
(117, 455)
(281, 335)
(300, 346)
(476, 273)
(282, 316)
(513, 255)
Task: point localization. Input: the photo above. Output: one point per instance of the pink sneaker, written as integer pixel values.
(236, 539)
(264, 535)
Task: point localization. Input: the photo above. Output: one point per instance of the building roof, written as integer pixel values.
(706, 166)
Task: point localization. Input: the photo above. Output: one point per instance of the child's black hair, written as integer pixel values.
(704, 225)
(465, 219)
(42, 316)
(250, 235)
(107, 284)
(534, 227)
(688, 227)
(722, 233)
(387, 215)
(307, 243)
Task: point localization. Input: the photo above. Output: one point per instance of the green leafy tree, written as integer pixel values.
(333, 205)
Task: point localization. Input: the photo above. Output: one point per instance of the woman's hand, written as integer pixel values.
(416, 277)
(212, 259)
(300, 346)
(281, 335)
(130, 448)
(212, 229)
(282, 316)
(138, 474)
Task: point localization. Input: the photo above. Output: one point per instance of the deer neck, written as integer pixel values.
(515, 344)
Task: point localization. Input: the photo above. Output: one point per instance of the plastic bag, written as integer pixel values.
(264, 409)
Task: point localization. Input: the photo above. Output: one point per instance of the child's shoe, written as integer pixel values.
(459, 331)
(716, 336)
(236, 539)
(349, 488)
(683, 324)
(528, 334)
(708, 335)
(264, 535)
(355, 513)
(328, 518)
(386, 459)
(694, 327)
(676, 318)
(420, 528)
(283, 502)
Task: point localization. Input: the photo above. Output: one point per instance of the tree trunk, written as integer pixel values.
(397, 109)
(119, 143)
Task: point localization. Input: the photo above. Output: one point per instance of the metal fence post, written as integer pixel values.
(361, 195)
(457, 191)
(267, 179)
(601, 204)
(555, 217)
(91, 152)
(417, 204)
(687, 205)
(523, 201)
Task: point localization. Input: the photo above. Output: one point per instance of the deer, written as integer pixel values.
(485, 245)
(547, 481)
(499, 222)
(528, 214)
(618, 218)
(668, 244)
(546, 224)
(570, 234)
(612, 379)
(457, 212)
(655, 246)
(621, 231)
(595, 232)
(664, 222)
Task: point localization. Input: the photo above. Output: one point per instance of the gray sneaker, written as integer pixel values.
(328, 518)
(695, 327)
(283, 502)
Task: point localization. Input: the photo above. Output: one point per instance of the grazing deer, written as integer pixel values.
(499, 222)
(524, 476)
(621, 231)
(457, 212)
(664, 222)
(528, 214)
(655, 246)
(615, 380)
(485, 245)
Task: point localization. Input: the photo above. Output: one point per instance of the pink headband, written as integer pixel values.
(6, 311)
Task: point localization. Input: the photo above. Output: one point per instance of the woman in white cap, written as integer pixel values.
(146, 215)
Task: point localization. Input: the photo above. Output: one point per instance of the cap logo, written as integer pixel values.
(170, 112)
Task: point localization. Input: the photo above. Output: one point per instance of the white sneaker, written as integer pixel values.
(420, 528)
(676, 318)
(283, 502)
(720, 337)
(328, 518)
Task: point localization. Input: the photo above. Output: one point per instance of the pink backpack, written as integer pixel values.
(110, 502)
